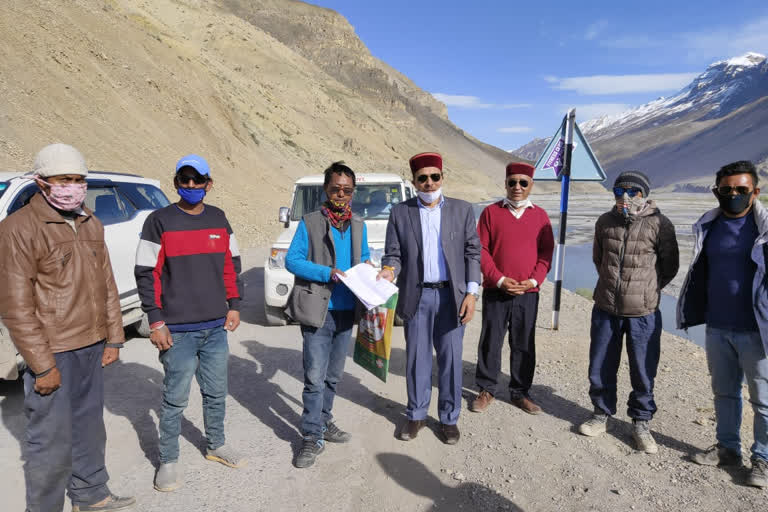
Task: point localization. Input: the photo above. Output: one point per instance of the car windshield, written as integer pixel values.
(143, 196)
(371, 201)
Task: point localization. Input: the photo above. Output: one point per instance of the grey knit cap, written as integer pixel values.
(636, 179)
(58, 159)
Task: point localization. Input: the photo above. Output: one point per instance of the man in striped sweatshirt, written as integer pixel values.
(188, 276)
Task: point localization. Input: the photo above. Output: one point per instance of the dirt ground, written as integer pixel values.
(506, 460)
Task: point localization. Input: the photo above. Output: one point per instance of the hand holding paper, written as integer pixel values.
(361, 280)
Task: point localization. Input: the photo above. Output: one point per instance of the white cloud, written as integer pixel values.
(625, 84)
(594, 110)
(594, 29)
(462, 101)
(514, 129)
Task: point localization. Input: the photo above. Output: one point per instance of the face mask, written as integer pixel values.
(191, 195)
(429, 197)
(734, 204)
(517, 204)
(67, 198)
(630, 206)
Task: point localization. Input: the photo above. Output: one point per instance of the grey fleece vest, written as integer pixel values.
(308, 303)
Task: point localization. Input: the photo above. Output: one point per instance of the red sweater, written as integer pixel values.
(516, 248)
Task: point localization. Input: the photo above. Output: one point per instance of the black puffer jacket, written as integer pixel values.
(634, 261)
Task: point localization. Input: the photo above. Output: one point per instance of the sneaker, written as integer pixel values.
(595, 425)
(167, 477)
(310, 449)
(111, 503)
(644, 441)
(482, 402)
(758, 475)
(227, 456)
(717, 455)
(334, 434)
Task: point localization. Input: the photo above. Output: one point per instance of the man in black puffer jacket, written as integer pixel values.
(635, 252)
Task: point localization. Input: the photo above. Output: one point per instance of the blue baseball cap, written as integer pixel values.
(197, 162)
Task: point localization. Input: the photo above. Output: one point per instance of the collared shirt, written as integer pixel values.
(517, 212)
(435, 269)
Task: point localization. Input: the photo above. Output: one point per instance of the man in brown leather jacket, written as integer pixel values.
(636, 255)
(61, 306)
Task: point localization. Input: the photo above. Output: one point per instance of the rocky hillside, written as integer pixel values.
(267, 90)
(721, 116)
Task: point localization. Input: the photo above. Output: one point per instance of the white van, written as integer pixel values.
(122, 203)
(375, 194)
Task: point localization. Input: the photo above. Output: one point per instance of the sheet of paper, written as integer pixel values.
(361, 280)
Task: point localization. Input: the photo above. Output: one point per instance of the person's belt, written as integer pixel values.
(439, 284)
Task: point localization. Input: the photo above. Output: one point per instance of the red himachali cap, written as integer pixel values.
(520, 168)
(426, 160)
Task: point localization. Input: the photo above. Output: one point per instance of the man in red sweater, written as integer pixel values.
(517, 245)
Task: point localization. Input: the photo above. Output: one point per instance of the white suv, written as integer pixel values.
(121, 202)
(375, 194)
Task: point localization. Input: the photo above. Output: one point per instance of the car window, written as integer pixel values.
(108, 206)
(3, 188)
(371, 201)
(23, 197)
(143, 196)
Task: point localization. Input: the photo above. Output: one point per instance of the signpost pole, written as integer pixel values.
(565, 175)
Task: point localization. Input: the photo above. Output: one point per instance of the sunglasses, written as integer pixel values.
(725, 190)
(348, 191)
(199, 179)
(513, 183)
(620, 191)
(422, 178)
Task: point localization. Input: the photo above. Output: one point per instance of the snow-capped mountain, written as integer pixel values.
(721, 116)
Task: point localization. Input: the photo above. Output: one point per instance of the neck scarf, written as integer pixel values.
(338, 213)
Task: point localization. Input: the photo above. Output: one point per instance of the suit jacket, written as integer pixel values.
(403, 251)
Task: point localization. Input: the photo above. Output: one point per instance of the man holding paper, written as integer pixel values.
(433, 250)
(327, 242)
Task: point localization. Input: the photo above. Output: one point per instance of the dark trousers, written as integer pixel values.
(325, 352)
(65, 441)
(516, 315)
(643, 350)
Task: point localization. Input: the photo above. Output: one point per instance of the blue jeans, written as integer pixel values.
(643, 335)
(325, 352)
(731, 356)
(203, 354)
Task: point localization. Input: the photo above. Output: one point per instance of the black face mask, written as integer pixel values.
(734, 204)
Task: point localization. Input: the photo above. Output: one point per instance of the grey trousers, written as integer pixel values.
(65, 441)
(434, 324)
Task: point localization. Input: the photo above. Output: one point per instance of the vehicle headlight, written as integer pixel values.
(376, 255)
(277, 258)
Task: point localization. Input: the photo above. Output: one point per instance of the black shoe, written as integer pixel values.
(114, 503)
(450, 433)
(334, 434)
(310, 449)
(410, 430)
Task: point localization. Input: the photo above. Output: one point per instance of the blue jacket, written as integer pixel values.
(692, 304)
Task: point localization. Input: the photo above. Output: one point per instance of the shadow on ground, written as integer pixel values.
(413, 476)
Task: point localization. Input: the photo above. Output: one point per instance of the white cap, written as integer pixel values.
(58, 159)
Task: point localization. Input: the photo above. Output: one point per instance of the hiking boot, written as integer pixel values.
(334, 434)
(526, 404)
(644, 441)
(595, 425)
(227, 456)
(111, 503)
(717, 455)
(482, 402)
(311, 447)
(167, 477)
(450, 433)
(758, 475)
(411, 429)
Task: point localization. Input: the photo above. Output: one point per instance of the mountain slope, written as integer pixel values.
(721, 116)
(136, 84)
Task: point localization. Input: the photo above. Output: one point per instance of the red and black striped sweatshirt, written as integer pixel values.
(188, 267)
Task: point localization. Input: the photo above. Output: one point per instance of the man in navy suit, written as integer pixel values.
(433, 250)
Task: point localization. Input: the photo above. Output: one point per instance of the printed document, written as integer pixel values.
(361, 280)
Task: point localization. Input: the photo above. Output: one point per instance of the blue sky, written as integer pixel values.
(508, 70)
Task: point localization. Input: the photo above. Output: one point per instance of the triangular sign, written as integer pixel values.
(584, 163)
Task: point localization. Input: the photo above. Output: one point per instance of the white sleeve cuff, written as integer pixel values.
(535, 283)
(500, 281)
(472, 287)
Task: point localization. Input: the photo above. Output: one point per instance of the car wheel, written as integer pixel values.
(142, 327)
(274, 316)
